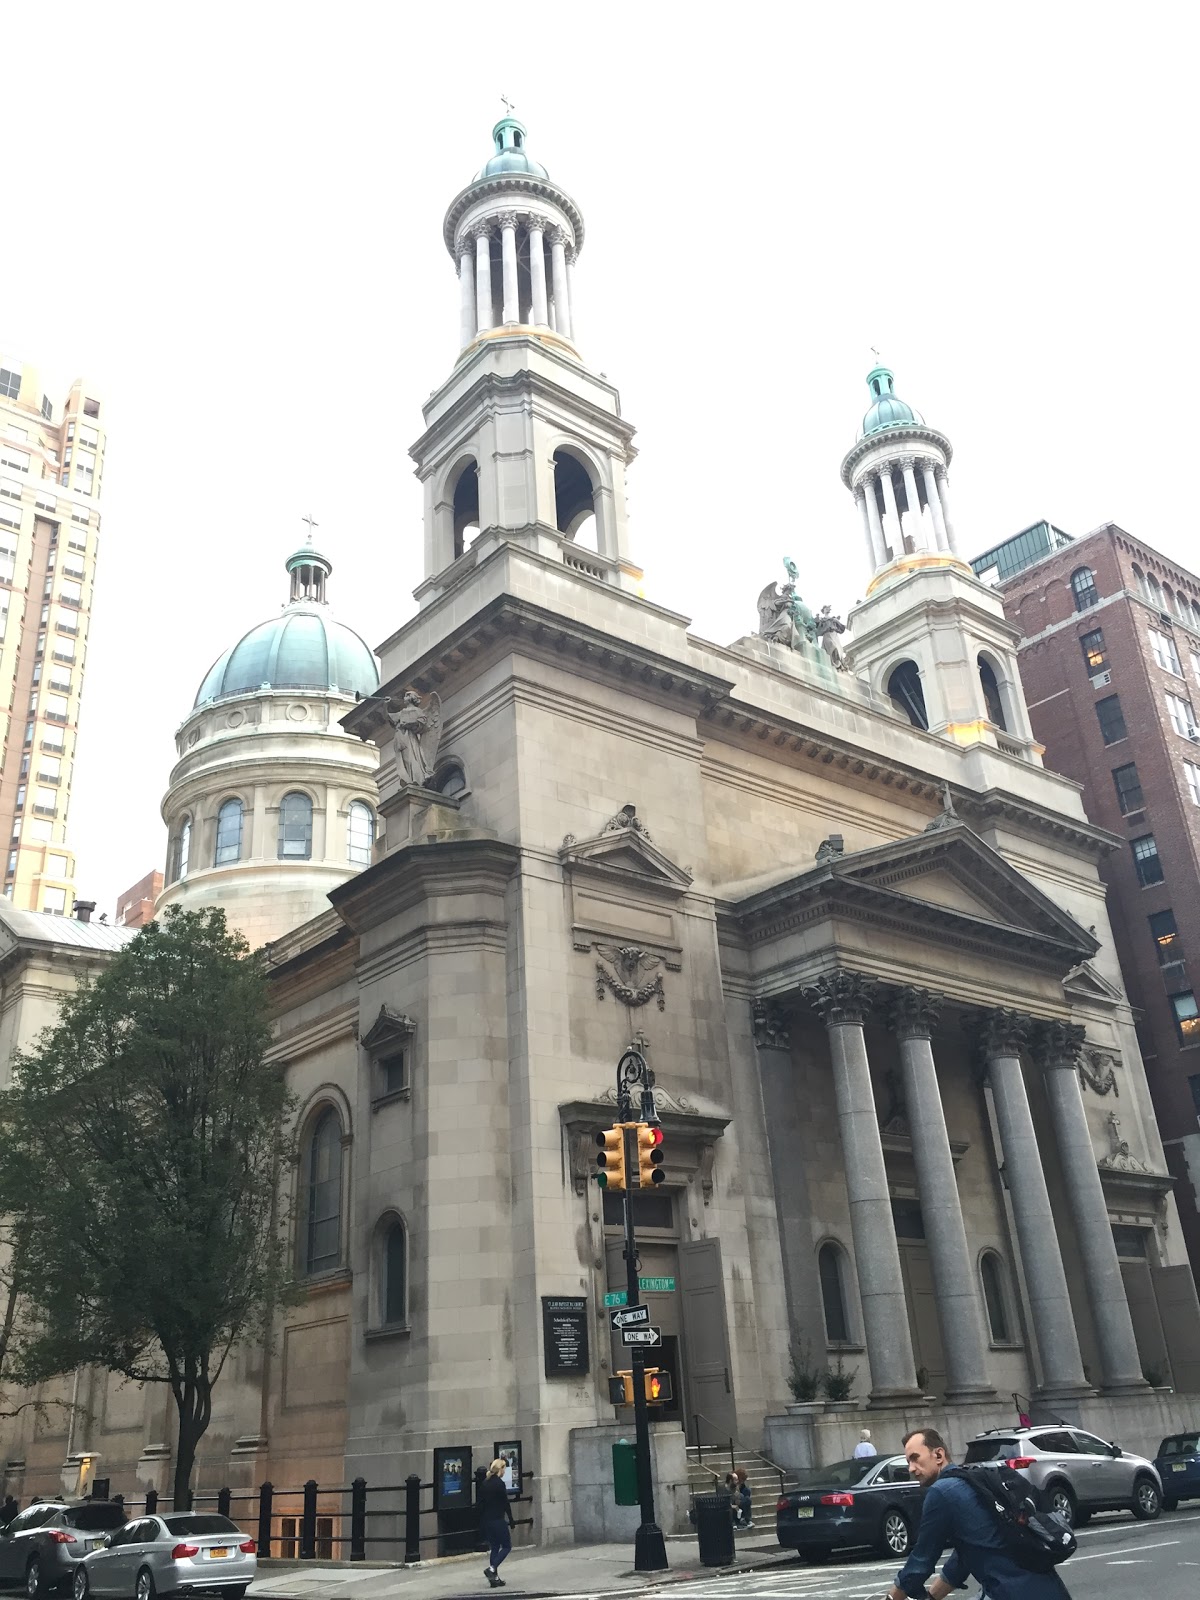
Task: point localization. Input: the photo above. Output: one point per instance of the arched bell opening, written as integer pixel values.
(575, 500)
(992, 701)
(466, 508)
(905, 692)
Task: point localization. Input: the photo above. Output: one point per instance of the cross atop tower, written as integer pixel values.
(509, 106)
(312, 523)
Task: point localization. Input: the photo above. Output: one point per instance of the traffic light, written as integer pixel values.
(611, 1160)
(620, 1389)
(650, 1156)
(658, 1387)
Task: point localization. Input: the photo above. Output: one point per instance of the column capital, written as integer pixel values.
(842, 997)
(482, 230)
(770, 1024)
(559, 235)
(1058, 1044)
(466, 244)
(860, 493)
(913, 1013)
(941, 472)
(536, 224)
(1001, 1031)
(907, 463)
(506, 219)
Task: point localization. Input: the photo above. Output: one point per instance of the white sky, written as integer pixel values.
(229, 218)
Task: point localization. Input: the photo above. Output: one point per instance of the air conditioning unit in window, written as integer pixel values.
(1165, 616)
(1101, 680)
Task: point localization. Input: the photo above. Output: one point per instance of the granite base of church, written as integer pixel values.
(595, 1515)
(1136, 1422)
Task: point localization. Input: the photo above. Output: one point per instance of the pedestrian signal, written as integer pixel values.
(620, 1389)
(650, 1156)
(658, 1387)
(611, 1160)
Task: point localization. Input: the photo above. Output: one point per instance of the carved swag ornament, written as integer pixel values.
(631, 974)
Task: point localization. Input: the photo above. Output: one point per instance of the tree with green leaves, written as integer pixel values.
(152, 1134)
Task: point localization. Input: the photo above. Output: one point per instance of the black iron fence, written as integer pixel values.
(321, 1522)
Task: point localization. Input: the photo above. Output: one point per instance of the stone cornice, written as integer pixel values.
(340, 1023)
(498, 387)
(416, 873)
(914, 432)
(523, 183)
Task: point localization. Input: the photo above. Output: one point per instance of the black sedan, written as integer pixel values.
(850, 1503)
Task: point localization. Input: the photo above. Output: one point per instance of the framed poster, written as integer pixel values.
(565, 1335)
(452, 1481)
(509, 1451)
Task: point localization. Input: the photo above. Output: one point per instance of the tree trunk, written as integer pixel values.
(193, 1402)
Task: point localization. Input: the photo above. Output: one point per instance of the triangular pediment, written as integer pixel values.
(390, 1030)
(1085, 984)
(626, 853)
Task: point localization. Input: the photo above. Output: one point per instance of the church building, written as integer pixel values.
(823, 878)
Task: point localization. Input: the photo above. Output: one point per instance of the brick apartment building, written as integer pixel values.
(1110, 661)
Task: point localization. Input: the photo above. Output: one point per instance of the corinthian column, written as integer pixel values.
(1058, 1045)
(466, 286)
(483, 277)
(892, 510)
(914, 504)
(879, 549)
(935, 505)
(508, 263)
(1003, 1034)
(943, 484)
(537, 272)
(843, 1000)
(914, 1015)
(558, 274)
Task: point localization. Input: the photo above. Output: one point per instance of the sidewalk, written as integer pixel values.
(563, 1569)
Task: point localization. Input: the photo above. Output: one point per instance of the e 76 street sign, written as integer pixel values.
(629, 1317)
(641, 1336)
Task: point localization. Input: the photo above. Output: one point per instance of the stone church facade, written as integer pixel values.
(854, 923)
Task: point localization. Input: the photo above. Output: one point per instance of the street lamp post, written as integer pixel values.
(650, 1550)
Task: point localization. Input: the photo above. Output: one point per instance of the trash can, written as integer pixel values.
(625, 1485)
(714, 1529)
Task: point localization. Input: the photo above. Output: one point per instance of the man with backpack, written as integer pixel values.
(991, 1518)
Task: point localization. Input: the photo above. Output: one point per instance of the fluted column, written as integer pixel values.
(914, 502)
(1058, 1045)
(466, 286)
(483, 278)
(935, 505)
(860, 494)
(914, 1014)
(537, 272)
(571, 286)
(558, 276)
(893, 511)
(843, 1000)
(1003, 1034)
(878, 542)
(510, 309)
(943, 484)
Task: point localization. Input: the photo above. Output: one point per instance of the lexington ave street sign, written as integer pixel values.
(632, 1317)
(641, 1336)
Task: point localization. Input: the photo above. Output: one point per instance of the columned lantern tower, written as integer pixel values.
(524, 442)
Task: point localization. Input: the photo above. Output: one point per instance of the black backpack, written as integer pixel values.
(1036, 1540)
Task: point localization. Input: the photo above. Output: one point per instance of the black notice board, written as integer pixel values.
(565, 1335)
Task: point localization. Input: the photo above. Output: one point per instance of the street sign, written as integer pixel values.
(633, 1317)
(641, 1336)
(618, 1297)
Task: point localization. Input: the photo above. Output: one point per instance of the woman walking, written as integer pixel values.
(495, 1519)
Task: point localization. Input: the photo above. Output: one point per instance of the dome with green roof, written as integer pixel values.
(511, 159)
(303, 648)
(888, 410)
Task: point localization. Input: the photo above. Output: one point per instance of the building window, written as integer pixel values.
(1146, 861)
(1130, 1242)
(361, 830)
(392, 1269)
(229, 833)
(1191, 776)
(295, 827)
(1108, 715)
(393, 1073)
(991, 695)
(1083, 587)
(323, 1231)
(1129, 789)
(992, 1274)
(183, 849)
(833, 1294)
(1165, 652)
(1196, 664)
(1187, 1018)
(906, 694)
(1183, 718)
(10, 383)
(54, 901)
(1194, 1085)
(1166, 937)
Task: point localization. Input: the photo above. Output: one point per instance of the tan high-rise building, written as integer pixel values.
(51, 469)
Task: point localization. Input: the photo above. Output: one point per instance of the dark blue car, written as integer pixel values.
(873, 1502)
(1178, 1464)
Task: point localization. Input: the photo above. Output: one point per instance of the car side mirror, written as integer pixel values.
(1114, 1449)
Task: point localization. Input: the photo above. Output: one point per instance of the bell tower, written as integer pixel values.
(929, 635)
(523, 441)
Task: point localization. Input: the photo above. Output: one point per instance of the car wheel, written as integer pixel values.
(144, 1588)
(895, 1535)
(79, 1584)
(1147, 1501)
(1059, 1499)
(34, 1586)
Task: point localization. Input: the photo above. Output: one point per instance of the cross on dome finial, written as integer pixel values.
(312, 523)
(875, 353)
(509, 106)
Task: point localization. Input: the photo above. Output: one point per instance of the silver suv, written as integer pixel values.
(1076, 1472)
(40, 1547)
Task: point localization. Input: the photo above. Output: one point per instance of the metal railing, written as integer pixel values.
(734, 1451)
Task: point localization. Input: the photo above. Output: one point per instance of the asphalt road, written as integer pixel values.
(1117, 1559)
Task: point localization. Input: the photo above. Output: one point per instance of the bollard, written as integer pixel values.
(264, 1518)
(151, 1502)
(308, 1522)
(224, 1499)
(358, 1520)
(412, 1519)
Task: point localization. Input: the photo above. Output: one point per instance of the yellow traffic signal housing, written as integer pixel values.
(650, 1155)
(611, 1160)
(620, 1389)
(658, 1387)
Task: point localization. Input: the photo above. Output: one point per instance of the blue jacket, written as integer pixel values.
(952, 1514)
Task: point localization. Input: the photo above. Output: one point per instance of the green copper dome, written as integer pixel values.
(511, 157)
(888, 410)
(302, 648)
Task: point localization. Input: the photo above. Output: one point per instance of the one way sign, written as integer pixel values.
(629, 1317)
(641, 1336)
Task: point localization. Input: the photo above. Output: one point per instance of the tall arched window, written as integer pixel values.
(1139, 577)
(229, 833)
(295, 827)
(991, 695)
(181, 847)
(323, 1198)
(1083, 587)
(361, 829)
(906, 694)
(574, 499)
(466, 508)
(833, 1294)
(992, 1273)
(393, 1288)
(1154, 589)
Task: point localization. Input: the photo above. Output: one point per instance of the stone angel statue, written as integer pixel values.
(418, 730)
(828, 628)
(783, 618)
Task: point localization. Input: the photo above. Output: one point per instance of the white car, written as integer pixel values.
(185, 1552)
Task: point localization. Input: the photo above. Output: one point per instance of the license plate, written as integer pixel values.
(804, 1511)
(1179, 1466)
(218, 1552)
(96, 1544)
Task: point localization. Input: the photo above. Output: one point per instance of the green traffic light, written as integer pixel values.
(602, 1179)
